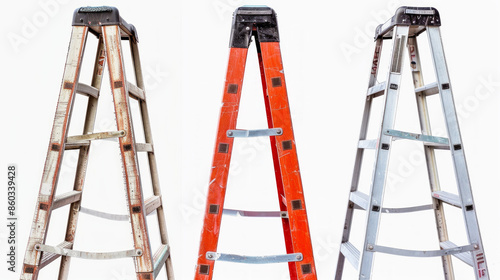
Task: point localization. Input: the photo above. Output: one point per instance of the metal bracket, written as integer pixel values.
(96, 136)
(255, 132)
(418, 137)
(214, 256)
(88, 255)
(413, 253)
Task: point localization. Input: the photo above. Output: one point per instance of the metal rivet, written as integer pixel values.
(37, 247)
(230, 133)
(279, 131)
(298, 257)
(476, 246)
(210, 256)
(370, 247)
(138, 252)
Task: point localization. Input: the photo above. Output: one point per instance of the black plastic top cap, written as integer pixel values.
(246, 18)
(410, 16)
(100, 16)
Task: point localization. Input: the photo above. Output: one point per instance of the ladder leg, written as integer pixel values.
(112, 42)
(151, 156)
(288, 161)
(221, 161)
(32, 259)
(359, 156)
(430, 156)
(457, 151)
(400, 38)
(277, 171)
(83, 159)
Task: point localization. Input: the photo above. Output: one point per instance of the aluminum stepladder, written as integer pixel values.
(110, 28)
(403, 28)
(259, 22)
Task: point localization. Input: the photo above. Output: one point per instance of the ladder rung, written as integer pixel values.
(367, 144)
(79, 139)
(135, 91)
(245, 213)
(152, 204)
(437, 146)
(466, 257)
(47, 257)
(160, 258)
(144, 147)
(76, 145)
(360, 199)
(377, 90)
(350, 253)
(429, 89)
(66, 198)
(87, 90)
(451, 199)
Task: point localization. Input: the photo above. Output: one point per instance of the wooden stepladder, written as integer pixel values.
(110, 29)
(403, 29)
(258, 22)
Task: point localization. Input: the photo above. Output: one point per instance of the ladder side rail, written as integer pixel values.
(55, 153)
(430, 157)
(112, 42)
(287, 154)
(457, 151)
(83, 157)
(359, 155)
(400, 37)
(274, 151)
(153, 167)
(221, 160)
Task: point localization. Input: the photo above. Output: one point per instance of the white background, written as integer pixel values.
(327, 50)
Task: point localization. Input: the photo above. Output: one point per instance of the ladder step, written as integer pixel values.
(144, 147)
(367, 144)
(350, 253)
(87, 90)
(79, 139)
(437, 146)
(360, 199)
(47, 257)
(466, 257)
(135, 91)
(429, 89)
(66, 198)
(254, 132)
(245, 213)
(418, 137)
(377, 90)
(152, 203)
(76, 145)
(451, 199)
(160, 257)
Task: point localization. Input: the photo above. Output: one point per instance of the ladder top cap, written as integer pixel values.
(101, 16)
(254, 10)
(410, 16)
(246, 19)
